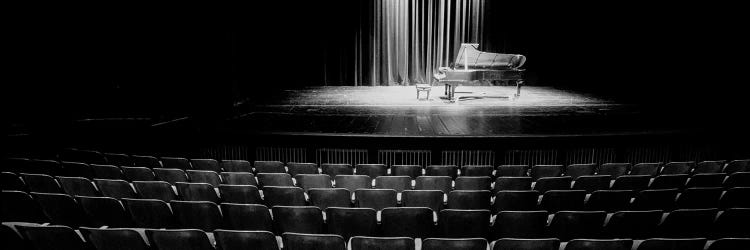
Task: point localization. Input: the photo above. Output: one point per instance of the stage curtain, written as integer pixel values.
(402, 42)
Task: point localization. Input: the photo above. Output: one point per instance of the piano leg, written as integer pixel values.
(452, 92)
(518, 89)
(446, 89)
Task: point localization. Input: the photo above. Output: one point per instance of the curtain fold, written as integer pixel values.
(402, 42)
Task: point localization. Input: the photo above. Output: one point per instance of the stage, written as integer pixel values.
(482, 112)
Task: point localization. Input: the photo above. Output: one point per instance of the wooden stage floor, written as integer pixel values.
(395, 111)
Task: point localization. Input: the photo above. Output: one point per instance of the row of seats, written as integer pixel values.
(553, 200)
(62, 237)
(46, 183)
(430, 196)
(417, 222)
(614, 170)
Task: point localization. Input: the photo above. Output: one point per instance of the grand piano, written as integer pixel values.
(477, 68)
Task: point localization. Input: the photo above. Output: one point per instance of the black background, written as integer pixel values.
(165, 61)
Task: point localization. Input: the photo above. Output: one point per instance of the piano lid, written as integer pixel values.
(469, 55)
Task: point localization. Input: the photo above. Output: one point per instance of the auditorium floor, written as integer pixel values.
(395, 111)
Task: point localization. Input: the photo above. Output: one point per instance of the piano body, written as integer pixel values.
(476, 68)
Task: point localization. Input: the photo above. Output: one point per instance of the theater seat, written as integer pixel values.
(684, 167)
(413, 171)
(512, 183)
(609, 200)
(117, 159)
(540, 171)
(377, 199)
(735, 198)
(109, 172)
(515, 201)
(463, 244)
(353, 182)
(577, 170)
(105, 211)
(11, 181)
(138, 174)
(298, 241)
(559, 200)
(469, 199)
(78, 186)
(477, 170)
(455, 223)
(197, 192)
(592, 183)
(205, 164)
(52, 237)
(394, 243)
(706, 180)
(283, 196)
(330, 197)
(20, 206)
(520, 224)
(170, 175)
(699, 198)
(77, 169)
(203, 215)
(62, 209)
(473, 183)
(398, 183)
(567, 225)
(593, 244)
(117, 189)
(274, 179)
(150, 213)
(41, 183)
(349, 222)
(159, 190)
(633, 224)
(730, 244)
(308, 181)
(297, 219)
(687, 223)
(236, 166)
(432, 199)
(414, 222)
(233, 239)
(512, 170)
(442, 183)
(114, 238)
(179, 239)
(145, 161)
(204, 176)
(650, 169)
(239, 178)
(732, 223)
(682, 244)
(372, 170)
(614, 170)
(175, 162)
(442, 170)
(656, 199)
(545, 184)
(242, 194)
(295, 168)
(269, 167)
(708, 167)
(737, 166)
(334, 170)
(526, 244)
(246, 217)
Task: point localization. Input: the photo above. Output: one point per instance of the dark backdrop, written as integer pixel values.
(167, 61)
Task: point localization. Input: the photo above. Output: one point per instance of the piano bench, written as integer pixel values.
(425, 88)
